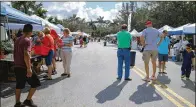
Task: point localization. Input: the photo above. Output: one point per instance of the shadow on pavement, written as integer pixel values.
(145, 93)
(46, 83)
(111, 92)
(8, 89)
(189, 84)
(178, 63)
(111, 45)
(163, 78)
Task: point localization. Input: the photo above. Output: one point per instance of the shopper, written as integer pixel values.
(163, 51)
(123, 53)
(48, 41)
(67, 52)
(149, 42)
(23, 71)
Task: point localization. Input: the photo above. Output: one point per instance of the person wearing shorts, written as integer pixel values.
(22, 69)
(149, 41)
(163, 50)
(56, 38)
(48, 41)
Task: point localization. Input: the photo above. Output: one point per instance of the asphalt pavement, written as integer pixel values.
(93, 84)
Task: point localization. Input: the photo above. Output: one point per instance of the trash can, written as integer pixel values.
(105, 43)
(132, 58)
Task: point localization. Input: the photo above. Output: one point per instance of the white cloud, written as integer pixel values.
(67, 9)
(8, 3)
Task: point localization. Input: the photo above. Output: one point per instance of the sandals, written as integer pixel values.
(146, 79)
(49, 78)
(153, 78)
(64, 74)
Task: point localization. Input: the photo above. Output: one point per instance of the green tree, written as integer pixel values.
(24, 6)
(30, 8)
(41, 12)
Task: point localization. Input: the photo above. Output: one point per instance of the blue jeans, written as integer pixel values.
(123, 55)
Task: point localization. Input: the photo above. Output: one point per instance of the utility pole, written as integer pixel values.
(130, 11)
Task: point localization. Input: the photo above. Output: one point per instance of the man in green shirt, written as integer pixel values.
(123, 53)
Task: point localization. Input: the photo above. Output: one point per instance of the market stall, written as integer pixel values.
(178, 30)
(134, 35)
(10, 15)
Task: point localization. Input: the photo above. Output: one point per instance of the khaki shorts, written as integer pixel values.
(150, 54)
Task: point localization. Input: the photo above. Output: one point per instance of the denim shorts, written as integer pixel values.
(48, 59)
(163, 57)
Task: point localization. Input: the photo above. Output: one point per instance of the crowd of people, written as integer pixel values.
(155, 45)
(49, 41)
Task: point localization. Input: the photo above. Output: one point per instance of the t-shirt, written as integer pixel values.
(20, 45)
(124, 39)
(151, 35)
(187, 57)
(163, 47)
(55, 37)
(67, 40)
(48, 41)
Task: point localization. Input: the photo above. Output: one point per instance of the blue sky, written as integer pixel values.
(87, 10)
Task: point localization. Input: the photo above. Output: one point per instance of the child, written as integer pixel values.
(188, 60)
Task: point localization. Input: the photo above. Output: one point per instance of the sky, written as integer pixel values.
(87, 10)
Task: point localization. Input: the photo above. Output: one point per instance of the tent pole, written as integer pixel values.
(8, 29)
(194, 40)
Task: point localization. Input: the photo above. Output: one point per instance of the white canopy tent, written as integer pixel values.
(178, 30)
(190, 29)
(45, 22)
(134, 33)
(166, 27)
(85, 34)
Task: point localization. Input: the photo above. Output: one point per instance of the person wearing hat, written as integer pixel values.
(149, 42)
(124, 39)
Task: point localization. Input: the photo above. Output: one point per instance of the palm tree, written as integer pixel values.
(41, 12)
(51, 19)
(25, 6)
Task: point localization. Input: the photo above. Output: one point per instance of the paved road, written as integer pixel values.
(93, 84)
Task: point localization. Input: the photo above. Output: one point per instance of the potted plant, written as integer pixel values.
(6, 48)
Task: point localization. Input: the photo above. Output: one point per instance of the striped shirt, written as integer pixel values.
(67, 40)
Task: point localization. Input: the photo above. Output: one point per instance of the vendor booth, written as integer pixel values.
(10, 15)
(135, 36)
(178, 30)
(190, 29)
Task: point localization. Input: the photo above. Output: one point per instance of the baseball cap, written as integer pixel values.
(148, 22)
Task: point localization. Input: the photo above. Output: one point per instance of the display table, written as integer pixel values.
(7, 68)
